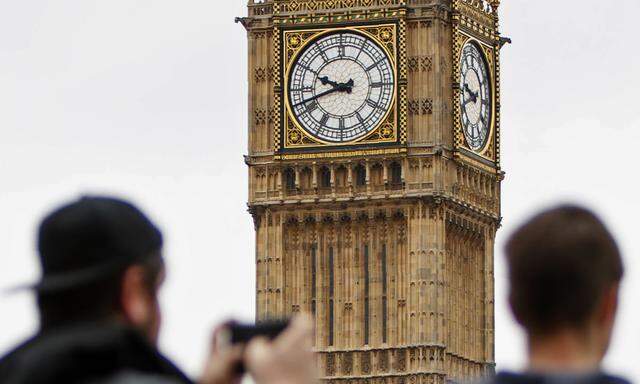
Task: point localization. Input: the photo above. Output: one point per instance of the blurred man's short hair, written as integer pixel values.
(561, 263)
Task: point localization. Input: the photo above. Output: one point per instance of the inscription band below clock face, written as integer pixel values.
(341, 87)
(475, 97)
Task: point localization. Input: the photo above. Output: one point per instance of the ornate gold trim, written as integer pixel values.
(277, 86)
(402, 81)
(328, 155)
(309, 6)
(387, 37)
(477, 20)
(461, 39)
(339, 16)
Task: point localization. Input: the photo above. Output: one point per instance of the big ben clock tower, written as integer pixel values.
(374, 168)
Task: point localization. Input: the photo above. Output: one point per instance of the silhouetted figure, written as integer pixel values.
(102, 268)
(564, 274)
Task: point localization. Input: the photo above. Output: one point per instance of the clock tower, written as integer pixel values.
(374, 180)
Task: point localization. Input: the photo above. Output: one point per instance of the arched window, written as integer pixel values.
(325, 177)
(396, 174)
(306, 177)
(377, 176)
(361, 175)
(341, 177)
(290, 179)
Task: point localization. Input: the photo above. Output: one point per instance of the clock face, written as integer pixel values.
(475, 97)
(341, 87)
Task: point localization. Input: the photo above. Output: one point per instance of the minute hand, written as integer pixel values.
(344, 87)
(332, 90)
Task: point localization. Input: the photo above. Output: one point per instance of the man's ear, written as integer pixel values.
(133, 296)
(609, 306)
(514, 312)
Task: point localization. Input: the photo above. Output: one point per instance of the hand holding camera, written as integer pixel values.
(273, 352)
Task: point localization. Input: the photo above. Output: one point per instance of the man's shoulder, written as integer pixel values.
(568, 378)
(80, 354)
(11, 361)
(135, 377)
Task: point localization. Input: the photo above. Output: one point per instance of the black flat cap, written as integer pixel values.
(91, 239)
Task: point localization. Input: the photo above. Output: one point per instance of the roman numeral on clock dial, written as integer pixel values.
(373, 104)
(312, 106)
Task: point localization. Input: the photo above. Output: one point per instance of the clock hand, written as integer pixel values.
(336, 89)
(464, 98)
(469, 100)
(474, 95)
(463, 90)
(325, 80)
(349, 84)
(343, 87)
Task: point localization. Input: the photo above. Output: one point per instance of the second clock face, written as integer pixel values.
(475, 97)
(341, 87)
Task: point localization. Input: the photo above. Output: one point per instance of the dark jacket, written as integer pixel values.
(532, 378)
(90, 353)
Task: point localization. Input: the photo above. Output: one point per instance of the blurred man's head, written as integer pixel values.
(101, 262)
(564, 272)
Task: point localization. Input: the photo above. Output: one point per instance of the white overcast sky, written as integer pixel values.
(147, 99)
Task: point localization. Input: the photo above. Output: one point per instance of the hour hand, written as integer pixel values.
(474, 95)
(348, 86)
(325, 80)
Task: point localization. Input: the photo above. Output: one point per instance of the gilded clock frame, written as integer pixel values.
(487, 52)
(291, 137)
(472, 24)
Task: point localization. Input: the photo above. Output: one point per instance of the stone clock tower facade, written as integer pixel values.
(374, 180)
